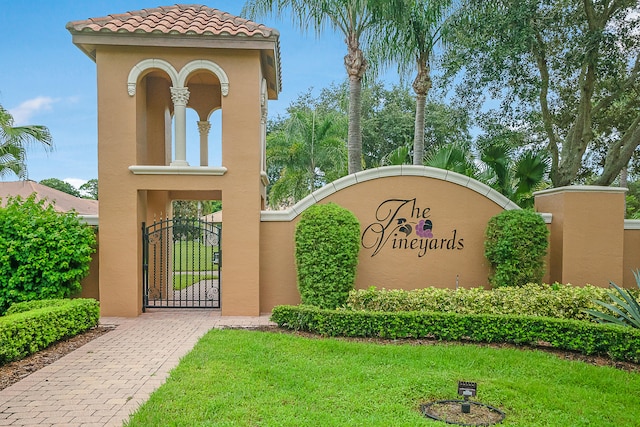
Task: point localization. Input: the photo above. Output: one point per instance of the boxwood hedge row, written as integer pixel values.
(617, 342)
(21, 307)
(30, 330)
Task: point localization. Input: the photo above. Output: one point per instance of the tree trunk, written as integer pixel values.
(354, 139)
(619, 153)
(421, 86)
(418, 135)
(356, 64)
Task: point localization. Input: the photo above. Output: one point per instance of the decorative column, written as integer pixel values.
(180, 98)
(204, 127)
(263, 127)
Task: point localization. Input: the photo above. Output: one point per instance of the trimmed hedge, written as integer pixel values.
(618, 342)
(515, 244)
(327, 240)
(24, 333)
(21, 307)
(559, 301)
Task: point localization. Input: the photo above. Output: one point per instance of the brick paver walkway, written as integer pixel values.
(104, 381)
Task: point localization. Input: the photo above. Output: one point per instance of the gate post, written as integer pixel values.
(587, 233)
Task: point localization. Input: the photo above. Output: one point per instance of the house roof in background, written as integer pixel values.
(61, 201)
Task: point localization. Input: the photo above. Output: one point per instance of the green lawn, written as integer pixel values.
(193, 253)
(181, 281)
(253, 378)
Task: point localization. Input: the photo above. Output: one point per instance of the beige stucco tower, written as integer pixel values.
(153, 65)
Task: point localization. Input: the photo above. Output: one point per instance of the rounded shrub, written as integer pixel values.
(327, 240)
(43, 253)
(515, 245)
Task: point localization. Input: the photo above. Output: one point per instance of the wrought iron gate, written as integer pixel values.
(181, 263)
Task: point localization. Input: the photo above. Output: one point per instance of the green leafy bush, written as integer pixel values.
(515, 244)
(327, 243)
(617, 342)
(27, 332)
(559, 301)
(43, 253)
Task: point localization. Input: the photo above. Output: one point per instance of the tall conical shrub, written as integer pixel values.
(327, 244)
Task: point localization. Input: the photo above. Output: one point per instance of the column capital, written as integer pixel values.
(204, 126)
(180, 96)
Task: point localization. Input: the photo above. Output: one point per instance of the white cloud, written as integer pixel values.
(22, 113)
(76, 182)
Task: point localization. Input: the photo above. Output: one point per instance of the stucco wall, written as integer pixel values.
(452, 206)
(587, 233)
(631, 252)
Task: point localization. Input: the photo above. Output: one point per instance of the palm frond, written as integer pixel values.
(530, 169)
(622, 303)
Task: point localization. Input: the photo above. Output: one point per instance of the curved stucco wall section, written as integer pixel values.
(383, 172)
(419, 227)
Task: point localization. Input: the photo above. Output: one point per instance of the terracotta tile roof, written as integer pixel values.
(62, 202)
(179, 19)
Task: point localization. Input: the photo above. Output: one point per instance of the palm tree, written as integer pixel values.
(410, 41)
(400, 156)
(304, 154)
(453, 157)
(354, 19)
(14, 141)
(499, 166)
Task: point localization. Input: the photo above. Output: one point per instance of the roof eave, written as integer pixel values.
(88, 42)
(174, 40)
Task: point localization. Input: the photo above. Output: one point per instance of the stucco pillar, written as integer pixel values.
(587, 233)
(180, 98)
(204, 127)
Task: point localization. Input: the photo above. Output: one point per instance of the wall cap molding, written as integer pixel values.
(632, 224)
(580, 189)
(89, 219)
(383, 172)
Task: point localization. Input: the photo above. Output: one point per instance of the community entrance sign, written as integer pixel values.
(420, 226)
(181, 263)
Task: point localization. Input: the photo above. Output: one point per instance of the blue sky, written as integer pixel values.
(46, 80)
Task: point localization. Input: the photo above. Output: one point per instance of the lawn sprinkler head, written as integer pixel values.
(467, 389)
